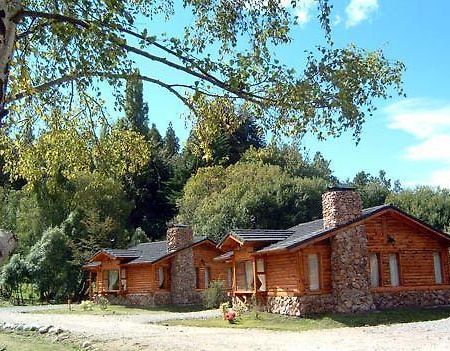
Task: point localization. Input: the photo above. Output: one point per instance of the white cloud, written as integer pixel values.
(359, 10)
(429, 122)
(421, 117)
(303, 10)
(434, 148)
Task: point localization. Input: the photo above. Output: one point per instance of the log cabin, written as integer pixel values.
(351, 260)
(174, 271)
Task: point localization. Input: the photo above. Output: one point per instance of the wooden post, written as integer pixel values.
(234, 285)
(90, 284)
(120, 280)
(255, 276)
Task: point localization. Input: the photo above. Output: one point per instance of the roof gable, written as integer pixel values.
(145, 253)
(306, 233)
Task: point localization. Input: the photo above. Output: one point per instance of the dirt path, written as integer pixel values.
(133, 332)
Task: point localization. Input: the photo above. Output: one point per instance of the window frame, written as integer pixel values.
(379, 268)
(229, 277)
(108, 279)
(247, 287)
(438, 255)
(259, 274)
(399, 277)
(319, 272)
(197, 278)
(207, 276)
(165, 283)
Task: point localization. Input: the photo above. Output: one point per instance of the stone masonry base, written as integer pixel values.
(385, 300)
(308, 304)
(300, 305)
(149, 299)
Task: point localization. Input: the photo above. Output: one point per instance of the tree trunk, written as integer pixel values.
(8, 243)
(8, 12)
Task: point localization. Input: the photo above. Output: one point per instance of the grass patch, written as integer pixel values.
(4, 303)
(120, 310)
(321, 321)
(24, 342)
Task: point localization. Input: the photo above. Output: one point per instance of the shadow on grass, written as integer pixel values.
(394, 316)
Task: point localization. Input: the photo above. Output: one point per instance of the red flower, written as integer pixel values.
(230, 316)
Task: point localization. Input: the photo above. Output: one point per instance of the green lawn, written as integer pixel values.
(324, 321)
(19, 342)
(120, 310)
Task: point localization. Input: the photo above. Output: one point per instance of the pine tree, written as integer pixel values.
(136, 110)
(171, 142)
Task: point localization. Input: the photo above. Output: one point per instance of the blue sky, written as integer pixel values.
(408, 137)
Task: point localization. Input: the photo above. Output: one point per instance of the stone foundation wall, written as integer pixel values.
(148, 299)
(300, 305)
(386, 300)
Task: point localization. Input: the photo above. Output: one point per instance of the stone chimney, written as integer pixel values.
(178, 236)
(349, 254)
(182, 287)
(340, 205)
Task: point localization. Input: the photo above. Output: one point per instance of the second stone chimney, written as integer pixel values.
(178, 236)
(340, 205)
(182, 272)
(349, 254)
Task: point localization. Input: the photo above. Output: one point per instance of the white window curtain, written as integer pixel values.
(374, 270)
(313, 265)
(161, 277)
(113, 279)
(249, 274)
(393, 268)
(437, 267)
(261, 275)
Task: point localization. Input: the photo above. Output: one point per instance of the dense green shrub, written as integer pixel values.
(215, 295)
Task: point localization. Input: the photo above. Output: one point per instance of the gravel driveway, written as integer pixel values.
(134, 332)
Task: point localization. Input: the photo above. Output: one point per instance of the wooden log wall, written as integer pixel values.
(203, 257)
(391, 233)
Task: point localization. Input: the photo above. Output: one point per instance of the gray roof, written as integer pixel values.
(122, 253)
(246, 235)
(146, 252)
(304, 232)
(224, 257)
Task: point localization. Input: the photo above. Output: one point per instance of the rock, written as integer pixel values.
(86, 344)
(44, 330)
(62, 337)
(55, 330)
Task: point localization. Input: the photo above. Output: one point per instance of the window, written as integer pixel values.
(244, 275)
(313, 266)
(374, 270)
(197, 278)
(229, 277)
(261, 275)
(123, 278)
(437, 267)
(113, 280)
(207, 276)
(162, 277)
(393, 269)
